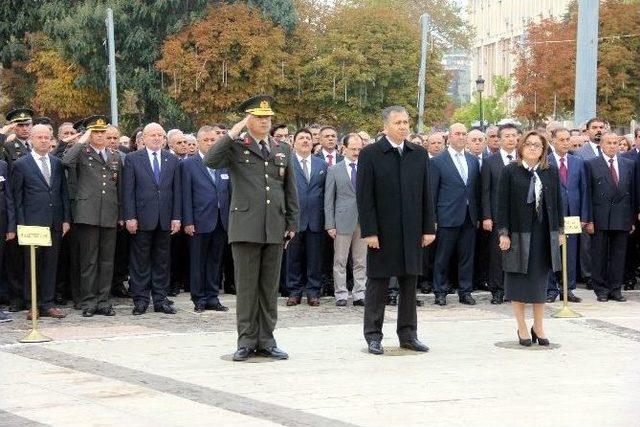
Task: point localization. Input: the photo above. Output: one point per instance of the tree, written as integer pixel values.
(493, 107)
(546, 65)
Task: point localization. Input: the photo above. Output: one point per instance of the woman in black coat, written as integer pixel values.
(530, 223)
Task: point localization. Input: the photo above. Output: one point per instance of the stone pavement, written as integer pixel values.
(159, 370)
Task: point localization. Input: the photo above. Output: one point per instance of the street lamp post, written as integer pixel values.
(480, 89)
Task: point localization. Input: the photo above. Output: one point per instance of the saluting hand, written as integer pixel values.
(8, 128)
(238, 127)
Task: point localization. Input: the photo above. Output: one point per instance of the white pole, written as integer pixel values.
(113, 92)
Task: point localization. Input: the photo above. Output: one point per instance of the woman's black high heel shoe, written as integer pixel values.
(525, 342)
(535, 337)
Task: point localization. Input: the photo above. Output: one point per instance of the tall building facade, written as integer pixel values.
(499, 24)
(457, 63)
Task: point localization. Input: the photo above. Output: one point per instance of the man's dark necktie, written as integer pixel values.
(614, 174)
(156, 168)
(264, 149)
(354, 175)
(563, 171)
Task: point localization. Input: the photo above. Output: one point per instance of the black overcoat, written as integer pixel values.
(394, 203)
(515, 215)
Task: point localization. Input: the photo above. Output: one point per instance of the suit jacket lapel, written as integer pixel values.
(146, 163)
(345, 174)
(37, 170)
(204, 169)
(455, 168)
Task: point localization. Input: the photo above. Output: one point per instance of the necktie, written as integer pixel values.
(461, 168)
(400, 151)
(212, 172)
(305, 170)
(563, 171)
(103, 155)
(614, 174)
(28, 145)
(510, 158)
(45, 170)
(599, 151)
(156, 167)
(354, 175)
(330, 159)
(264, 149)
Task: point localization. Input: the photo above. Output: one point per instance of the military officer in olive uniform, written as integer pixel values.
(96, 212)
(263, 217)
(20, 122)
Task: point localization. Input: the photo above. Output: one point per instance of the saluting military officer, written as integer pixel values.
(20, 123)
(263, 217)
(96, 212)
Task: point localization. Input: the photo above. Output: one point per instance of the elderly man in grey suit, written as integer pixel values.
(589, 150)
(341, 223)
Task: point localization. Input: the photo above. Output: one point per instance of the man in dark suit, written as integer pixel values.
(396, 219)
(476, 145)
(41, 198)
(595, 129)
(263, 216)
(205, 215)
(490, 177)
(7, 219)
(152, 212)
(96, 212)
(455, 176)
(304, 254)
(633, 248)
(20, 123)
(575, 202)
(613, 212)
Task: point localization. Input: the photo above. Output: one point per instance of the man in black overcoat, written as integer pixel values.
(396, 218)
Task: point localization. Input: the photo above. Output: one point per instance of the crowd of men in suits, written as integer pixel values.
(147, 211)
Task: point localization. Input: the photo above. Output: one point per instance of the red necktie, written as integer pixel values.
(614, 174)
(563, 172)
(330, 157)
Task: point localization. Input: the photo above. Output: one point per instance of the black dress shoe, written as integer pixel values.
(617, 296)
(375, 347)
(392, 300)
(199, 308)
(106, 311)
(164, 308)
(139, 309)
(216, 306)
(343, 303)
(588, 284)
(88, 312)
(59, 300)
(524, 342)
(414, 345)
(535, 337)
(602, 298)
(467, 299)
(440, 300)
(358, 302)
(273, 353)
(571, 297)
(242, 354)
(496, 298)
(551, 298)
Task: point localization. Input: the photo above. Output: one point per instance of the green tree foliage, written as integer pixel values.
(493, 107)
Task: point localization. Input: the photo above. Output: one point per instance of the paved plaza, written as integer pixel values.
(159, 370)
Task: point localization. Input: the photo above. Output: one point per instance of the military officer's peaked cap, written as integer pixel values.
(259, 105)
(96, 123)
(20, 115)
(79, 126)
(43, 121)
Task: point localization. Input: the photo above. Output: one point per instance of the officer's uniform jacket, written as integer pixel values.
(97, 188)
(264, 201)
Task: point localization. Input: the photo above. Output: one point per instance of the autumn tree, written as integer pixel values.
(545, 71)
(223, 59)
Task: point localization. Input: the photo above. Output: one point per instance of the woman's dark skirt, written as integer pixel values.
(532, 287)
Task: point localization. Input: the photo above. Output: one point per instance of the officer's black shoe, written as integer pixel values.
(242, 354)
(164, 308)
(551, 298)
(414, 345)
(139, 309)
(216, 306)
(375, 347)
(273, 353)
(440, 300)
(496, 298)
(467, 299)
(358, 302)
(199, 308)
(88, 312)
(392, 300)
(617, 296)
(106, 311)
(571, 297)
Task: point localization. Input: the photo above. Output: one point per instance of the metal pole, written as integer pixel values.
(112, 68)
(34, 336)
(586, 61)
(422, 77)
(481, 111)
